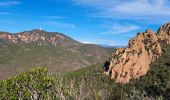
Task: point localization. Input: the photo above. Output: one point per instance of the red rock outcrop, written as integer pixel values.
(164, 33)
(32, 36)
(134, 60)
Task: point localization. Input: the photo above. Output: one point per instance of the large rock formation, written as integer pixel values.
(134, 60)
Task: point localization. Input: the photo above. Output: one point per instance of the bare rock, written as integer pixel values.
(33, 36)
(133, 61)
(164, 33)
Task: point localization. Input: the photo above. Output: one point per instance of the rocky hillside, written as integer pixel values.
(133, 61)
(40, 37)
(56, 51)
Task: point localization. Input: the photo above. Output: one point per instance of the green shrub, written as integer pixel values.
(32, 84)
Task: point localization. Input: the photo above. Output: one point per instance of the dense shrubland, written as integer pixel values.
(86, 83)
(89, 84)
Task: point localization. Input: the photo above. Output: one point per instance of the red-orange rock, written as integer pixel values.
(33, 36)
(133, 61)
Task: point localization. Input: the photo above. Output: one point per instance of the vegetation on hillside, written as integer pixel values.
(90, 84)
(15, 59)
(87, 83)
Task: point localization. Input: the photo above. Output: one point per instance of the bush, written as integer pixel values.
(33, 84)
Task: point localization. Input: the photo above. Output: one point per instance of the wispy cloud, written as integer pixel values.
(121, 28)
(54, 17)
(127, 8)
(144, 8)
(9, 3)
(5, 13)
(59, 24)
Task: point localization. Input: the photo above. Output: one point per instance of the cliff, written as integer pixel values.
(133, 61)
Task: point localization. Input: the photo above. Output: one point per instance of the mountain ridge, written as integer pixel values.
(40, 36)
(52, 49)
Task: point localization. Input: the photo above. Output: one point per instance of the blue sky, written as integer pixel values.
(110, 22)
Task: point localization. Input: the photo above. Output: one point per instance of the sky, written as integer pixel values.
(108, 22)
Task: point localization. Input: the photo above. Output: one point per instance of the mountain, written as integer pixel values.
(89, 83)
(40, 37)
(134, 61)
(56, 51)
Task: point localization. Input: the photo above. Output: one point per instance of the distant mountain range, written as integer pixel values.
(110, 46)
(54, 50)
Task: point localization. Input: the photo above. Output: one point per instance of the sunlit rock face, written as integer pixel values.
(164, 33)
(133, 61)
(38, 36)
(32, 36)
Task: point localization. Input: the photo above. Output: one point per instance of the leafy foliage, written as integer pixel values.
(87, 83)
(32, 84)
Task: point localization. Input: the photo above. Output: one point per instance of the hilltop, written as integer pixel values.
(56, 51)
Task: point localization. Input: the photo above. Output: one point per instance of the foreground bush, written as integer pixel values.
(87, 83)
(33, 84)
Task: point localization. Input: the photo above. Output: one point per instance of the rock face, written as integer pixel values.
(164, 33)
(133, 61)
(38, 36)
